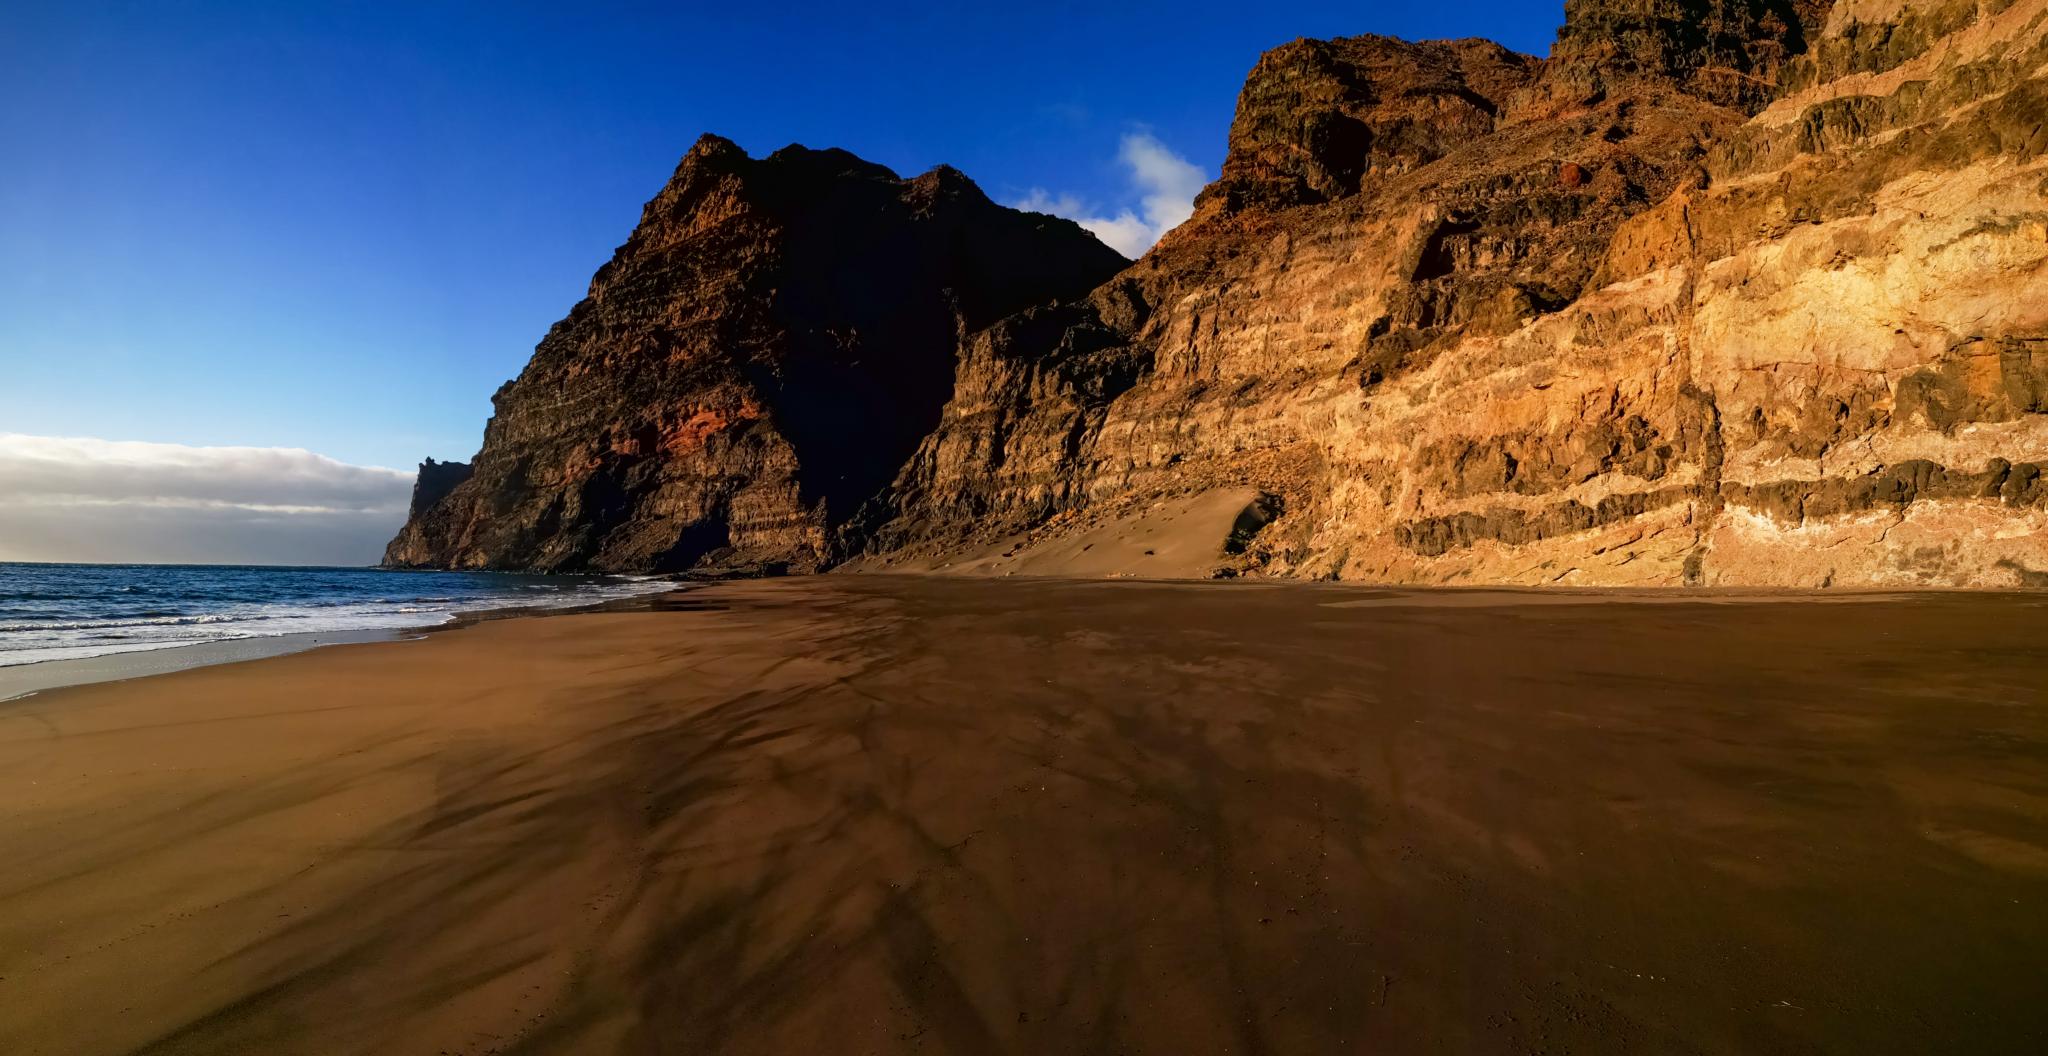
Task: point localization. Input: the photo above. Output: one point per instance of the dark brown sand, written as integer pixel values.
(850, 815)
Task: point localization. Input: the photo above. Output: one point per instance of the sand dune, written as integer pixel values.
(897, 815)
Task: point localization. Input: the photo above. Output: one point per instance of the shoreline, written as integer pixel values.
(20, 681)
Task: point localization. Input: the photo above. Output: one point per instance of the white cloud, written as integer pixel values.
(83, 499)
(1165, 184)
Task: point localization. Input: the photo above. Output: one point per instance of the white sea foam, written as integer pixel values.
(80, 611)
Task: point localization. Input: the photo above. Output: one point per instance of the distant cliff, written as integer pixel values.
(753, 364)
(1723, 292)
(434, 483)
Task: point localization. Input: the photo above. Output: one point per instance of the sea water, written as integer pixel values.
(68, 612)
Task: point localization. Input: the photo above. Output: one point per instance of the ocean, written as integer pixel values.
(70, 612)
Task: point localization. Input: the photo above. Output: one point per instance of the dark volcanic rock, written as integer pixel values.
(756, 361)
(435, 481)
(1730, 52)
(1320, 118)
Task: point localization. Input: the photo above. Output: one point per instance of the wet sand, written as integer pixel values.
(20, 680)
(855, 815)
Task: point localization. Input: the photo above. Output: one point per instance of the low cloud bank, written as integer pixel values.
(84, 499)
(1165, 183)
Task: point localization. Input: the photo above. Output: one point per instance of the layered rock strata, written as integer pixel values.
(1722, 294)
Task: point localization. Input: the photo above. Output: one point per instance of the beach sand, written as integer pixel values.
(879, 815)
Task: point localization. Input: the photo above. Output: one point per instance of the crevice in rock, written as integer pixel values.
(1252, 520)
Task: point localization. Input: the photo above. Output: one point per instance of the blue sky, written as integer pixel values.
(342, 227)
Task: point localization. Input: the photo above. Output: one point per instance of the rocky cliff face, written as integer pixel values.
(434, 483)
(755, 362)
(1724, 293)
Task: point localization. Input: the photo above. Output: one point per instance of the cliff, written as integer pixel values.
(1723, 292)
(434, 483)
(1733, 293)
(753, 364)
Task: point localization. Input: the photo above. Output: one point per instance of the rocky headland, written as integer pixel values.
(1720, 293)
(757, 361)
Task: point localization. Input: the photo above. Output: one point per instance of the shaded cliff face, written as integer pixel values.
(434, 483)
(1723, 293)
(756, 361)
